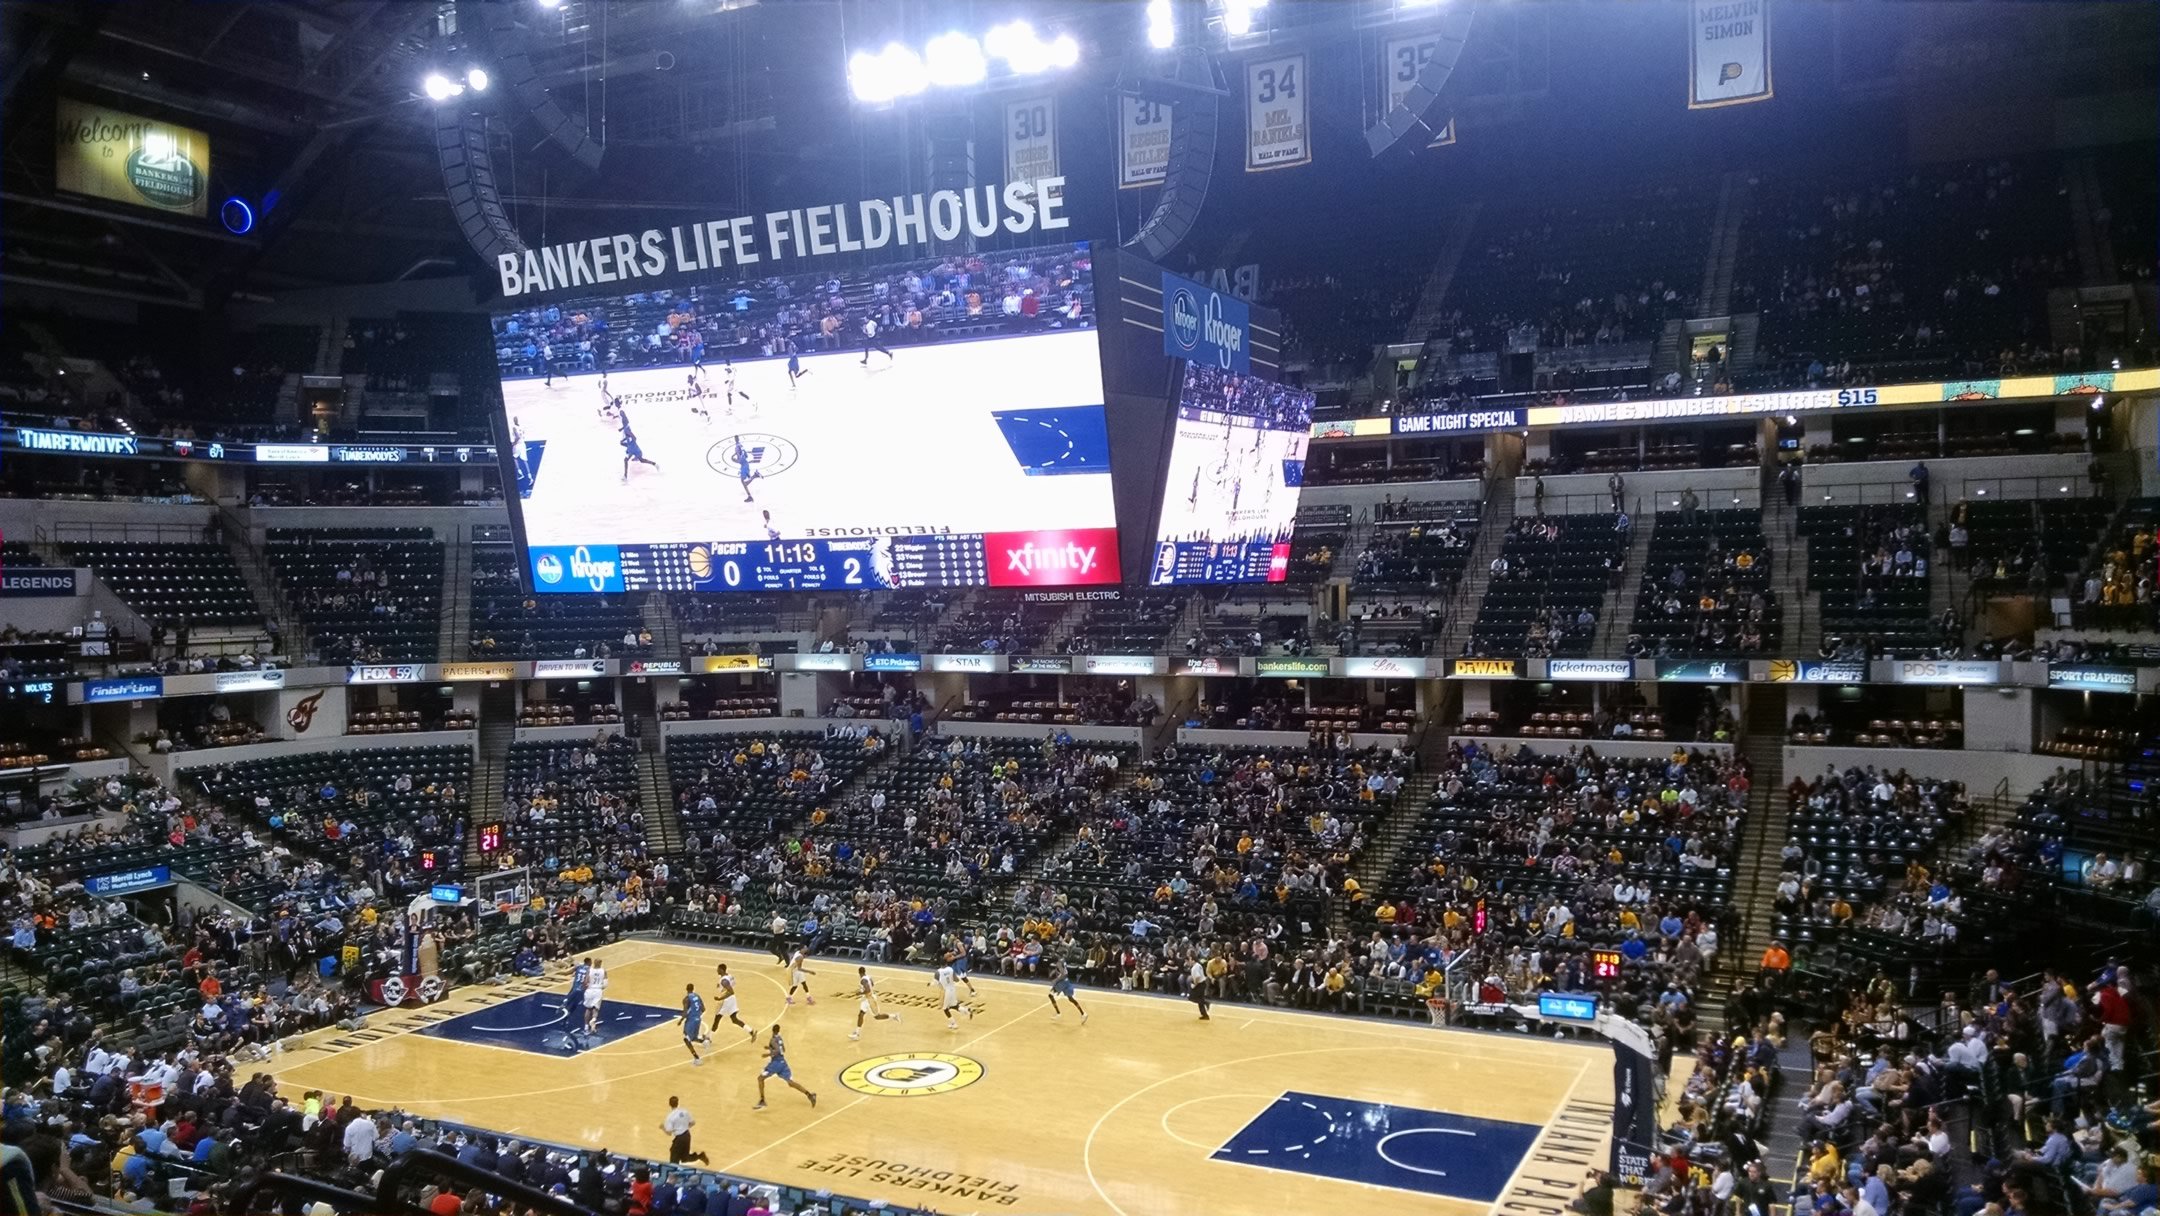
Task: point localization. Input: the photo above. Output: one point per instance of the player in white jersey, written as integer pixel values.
(799, 975)
(727, 384)
(595, 987)
(866, 1002)
(950, 985)
(695, 390)
(728, 1008)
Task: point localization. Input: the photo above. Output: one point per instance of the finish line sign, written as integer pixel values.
(1035, 205)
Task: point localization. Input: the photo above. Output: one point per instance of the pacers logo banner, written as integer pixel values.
(1728, 53)
(127, 158)
(1143, 143)
(911, 1076)
(1277, 135)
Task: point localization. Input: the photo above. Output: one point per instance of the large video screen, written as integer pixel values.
(926, 424)
(1237, 465)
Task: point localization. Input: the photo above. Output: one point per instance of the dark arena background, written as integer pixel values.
(1188, 607)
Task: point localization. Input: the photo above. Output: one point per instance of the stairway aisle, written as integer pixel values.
(1492, 533)
(1788, 574)
(498, 726)
(1619, 616)
(1387, 843)
(453, 633)
(1756, 878)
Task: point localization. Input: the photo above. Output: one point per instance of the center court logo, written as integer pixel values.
(911, 1076)
(752, 455)
(1184, 318)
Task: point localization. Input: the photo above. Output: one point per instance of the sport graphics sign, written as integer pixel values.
(1203, 325)
(898, 223)
(111, 154)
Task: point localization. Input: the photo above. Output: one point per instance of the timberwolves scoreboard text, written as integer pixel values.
(930, 423)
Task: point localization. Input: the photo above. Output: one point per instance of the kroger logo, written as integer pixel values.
(597, 572)
(1184, 315)
(549, 569)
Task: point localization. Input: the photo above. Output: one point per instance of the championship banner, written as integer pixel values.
(1143, 144)
(1277, 135)
(1728, 53)
(111, 154)
(1401, 59)
(1031, 139)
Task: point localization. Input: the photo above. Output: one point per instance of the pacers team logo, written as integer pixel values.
(911, 1076)
(744, 457)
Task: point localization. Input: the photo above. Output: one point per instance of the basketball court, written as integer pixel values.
(1145, 1109)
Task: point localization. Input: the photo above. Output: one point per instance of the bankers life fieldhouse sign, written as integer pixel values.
(1036, 206)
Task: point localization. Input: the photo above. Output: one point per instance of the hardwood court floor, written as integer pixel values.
(1145, 1109)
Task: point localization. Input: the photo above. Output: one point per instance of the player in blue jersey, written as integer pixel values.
(795, 370)
(776, 1065)
(728, 1008)
(693, 1022)
(957, 959)
(574, 1004)
(1061, 985)
(743, 472)
(631, 451)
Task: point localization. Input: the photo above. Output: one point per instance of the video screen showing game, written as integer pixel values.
(931, 423)
(1237, 465)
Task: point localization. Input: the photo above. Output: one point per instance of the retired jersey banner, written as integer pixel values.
(1277, 133)
(111, 154)
(1031, 139)
(1401, 59)
(1143, 146)
(1728, 52)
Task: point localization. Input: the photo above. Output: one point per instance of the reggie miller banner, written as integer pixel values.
(1728, 52)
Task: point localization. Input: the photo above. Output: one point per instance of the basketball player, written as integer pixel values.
(949, 984)
(677, 1125)
(693, 1020)
(1061, 985)
(728, 1008)
(631, 450)
(771, 533)
(1237, 487)
(595, 990)
(610, 404)
(866, 1002)
(743, 472)
(695, 390)
(871, 341)
(727, 382)
(776, 1065)
(958, 957)
(580, 976)
(1192, 500)
(518, 452)
(795, 370)
(799, 976)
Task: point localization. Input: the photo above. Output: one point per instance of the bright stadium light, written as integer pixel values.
(1238, 14)
(954, 60)
(1064, 51)
(476, 78)
(1018, 45)
(889, 74)
(439, 87)
(551, 3)
(1161, 28)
